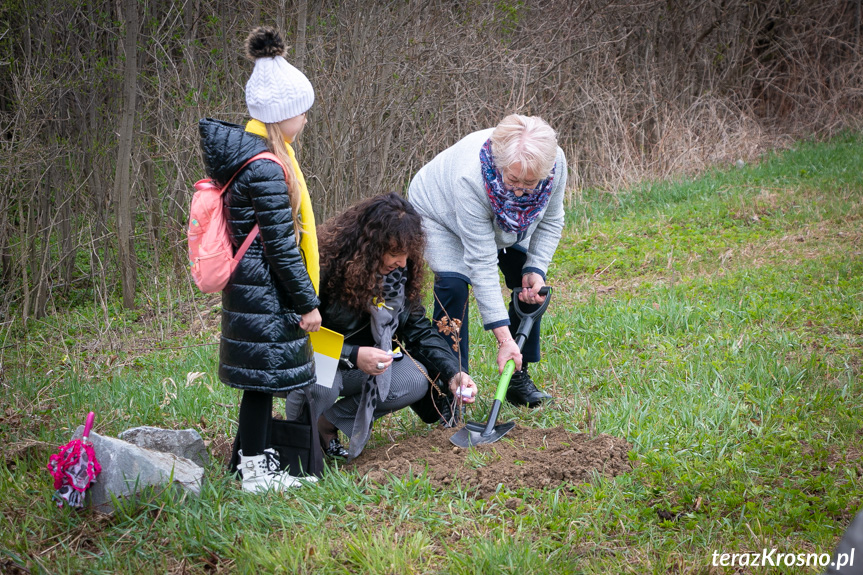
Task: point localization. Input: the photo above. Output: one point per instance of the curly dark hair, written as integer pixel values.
(352, 246)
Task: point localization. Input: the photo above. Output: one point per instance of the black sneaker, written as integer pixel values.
(522, 390)
(335, 450)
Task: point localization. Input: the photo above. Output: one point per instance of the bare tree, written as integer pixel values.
(300, 43)
(125, 223)
(635, 89)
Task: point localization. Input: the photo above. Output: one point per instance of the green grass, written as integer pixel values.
(714, 323)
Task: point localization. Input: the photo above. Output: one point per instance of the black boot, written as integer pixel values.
(335, 449)
(329, 436)
(522, 390)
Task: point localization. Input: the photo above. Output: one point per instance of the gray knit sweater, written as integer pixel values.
(462, 238)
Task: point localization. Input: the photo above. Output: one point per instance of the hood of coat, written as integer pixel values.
(225, 147)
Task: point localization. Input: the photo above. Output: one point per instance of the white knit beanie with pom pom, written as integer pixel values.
(276, 90)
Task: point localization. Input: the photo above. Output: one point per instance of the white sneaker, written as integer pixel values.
(261, 473)
(275, 466)
(274, 462)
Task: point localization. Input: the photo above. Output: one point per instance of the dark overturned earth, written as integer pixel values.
(532, 458)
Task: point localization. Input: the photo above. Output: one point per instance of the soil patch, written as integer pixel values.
(535, 458)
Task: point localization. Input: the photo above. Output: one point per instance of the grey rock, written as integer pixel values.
(129, 470)
(181, 442)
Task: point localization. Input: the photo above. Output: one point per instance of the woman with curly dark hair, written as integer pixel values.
(371, 292)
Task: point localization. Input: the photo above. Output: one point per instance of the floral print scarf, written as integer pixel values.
(513, 214)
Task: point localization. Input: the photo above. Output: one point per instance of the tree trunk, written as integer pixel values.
(42, 238)
(151, 197)
(300, 44)
(91, 127)
(29, 252)
(66, 244)
(122, 179)
(5, 248)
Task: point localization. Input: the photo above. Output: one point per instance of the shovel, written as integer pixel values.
(474, 433)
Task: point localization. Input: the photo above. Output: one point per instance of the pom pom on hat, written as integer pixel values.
(276, 90)
(264, 42)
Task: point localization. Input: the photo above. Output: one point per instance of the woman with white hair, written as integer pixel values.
(494, 200)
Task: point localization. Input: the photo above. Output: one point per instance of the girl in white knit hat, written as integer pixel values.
(270, 303)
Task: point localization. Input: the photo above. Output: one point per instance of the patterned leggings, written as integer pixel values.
(408, 385)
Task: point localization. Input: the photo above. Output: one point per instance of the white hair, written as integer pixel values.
(525, 139)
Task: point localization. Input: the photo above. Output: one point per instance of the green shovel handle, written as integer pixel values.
(503, 384)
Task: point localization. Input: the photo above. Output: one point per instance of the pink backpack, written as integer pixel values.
(211, 258)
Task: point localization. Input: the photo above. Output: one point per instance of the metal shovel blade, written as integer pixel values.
(474, 433)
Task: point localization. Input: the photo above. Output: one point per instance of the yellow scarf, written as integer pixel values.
(306, 218)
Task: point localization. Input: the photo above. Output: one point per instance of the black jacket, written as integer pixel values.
(262, 346)
(416, 335)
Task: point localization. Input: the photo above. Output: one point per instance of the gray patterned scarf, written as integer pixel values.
(384, 322)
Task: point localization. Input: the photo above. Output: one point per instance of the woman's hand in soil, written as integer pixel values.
(369, 358)
(311, 321)
(468, 390)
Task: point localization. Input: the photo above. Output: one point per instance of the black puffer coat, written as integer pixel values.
(262, 346)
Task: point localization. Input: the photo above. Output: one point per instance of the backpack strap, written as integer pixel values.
(254, 233)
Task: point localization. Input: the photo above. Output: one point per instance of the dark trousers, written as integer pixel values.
(451, 294)
(255, 413)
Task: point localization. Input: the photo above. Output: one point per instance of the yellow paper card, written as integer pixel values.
(328, 347)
